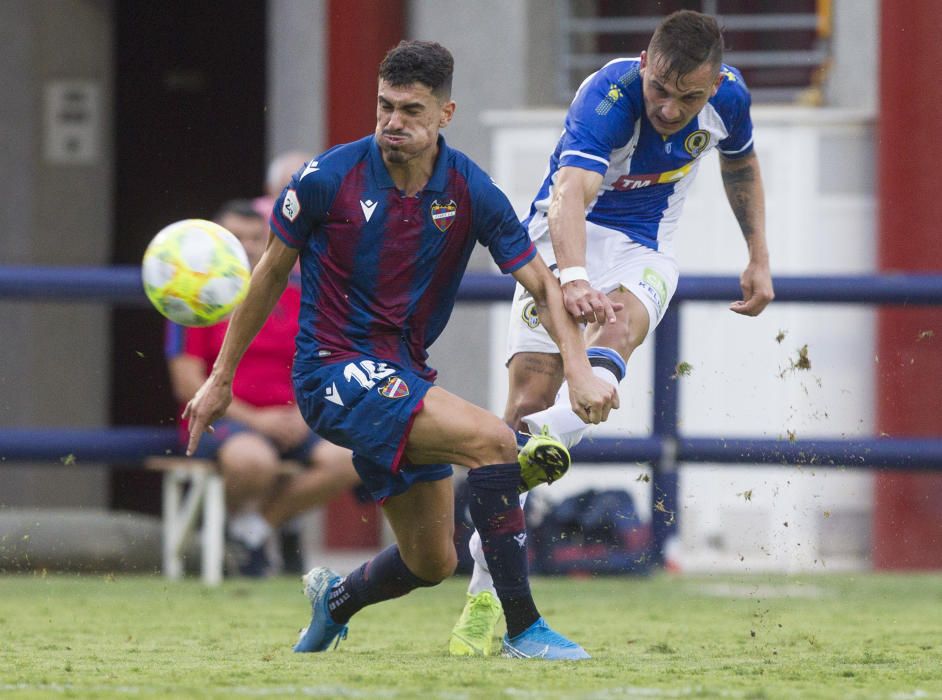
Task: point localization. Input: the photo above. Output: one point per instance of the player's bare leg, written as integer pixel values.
(423, 521)
(534, 378)
(424, 555)
(629, 332)
(610, 346)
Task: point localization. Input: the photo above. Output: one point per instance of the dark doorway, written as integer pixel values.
(189, 134)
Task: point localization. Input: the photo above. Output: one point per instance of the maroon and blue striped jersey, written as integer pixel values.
(380, 270)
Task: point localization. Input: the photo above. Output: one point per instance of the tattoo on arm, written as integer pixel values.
(740, 180)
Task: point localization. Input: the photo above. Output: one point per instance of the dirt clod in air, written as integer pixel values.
(683, 370)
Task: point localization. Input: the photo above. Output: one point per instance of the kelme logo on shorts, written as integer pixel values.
(530, 316)
(655, 285)
(394, 388)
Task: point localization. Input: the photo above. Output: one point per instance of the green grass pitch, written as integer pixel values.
(827, 636)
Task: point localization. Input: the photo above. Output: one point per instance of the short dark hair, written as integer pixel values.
(425, 62)
(237, 207)
(685, 40)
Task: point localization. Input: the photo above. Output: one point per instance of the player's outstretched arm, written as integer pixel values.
(742, 180)
(283, 424)
(269, 280)
(591, 397)
(573, 190)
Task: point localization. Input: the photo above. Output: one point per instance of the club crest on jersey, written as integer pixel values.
(696, 142)
(394, 388)
(443, 215)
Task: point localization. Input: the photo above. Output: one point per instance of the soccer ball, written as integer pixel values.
(195, 272)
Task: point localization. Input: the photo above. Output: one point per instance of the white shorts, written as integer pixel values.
(612, 261)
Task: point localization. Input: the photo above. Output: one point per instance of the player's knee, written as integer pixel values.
(623, 338)
(499, 444)
(491, 442)
(432, 562)
(436, 569)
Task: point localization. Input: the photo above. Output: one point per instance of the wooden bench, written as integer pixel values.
(194, 488)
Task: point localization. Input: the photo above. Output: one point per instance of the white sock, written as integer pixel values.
(481, 576)
(563, 423)
(251, 528)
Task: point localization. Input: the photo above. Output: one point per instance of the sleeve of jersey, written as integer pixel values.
(303, 206)
(739, 141)
(600, 119)
(497, 227)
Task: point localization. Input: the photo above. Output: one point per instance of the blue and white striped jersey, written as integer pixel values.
(645, 175)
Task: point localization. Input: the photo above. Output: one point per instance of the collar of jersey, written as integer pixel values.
(436, 183)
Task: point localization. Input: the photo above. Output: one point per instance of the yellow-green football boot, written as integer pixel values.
(475, 632)
(543, 460)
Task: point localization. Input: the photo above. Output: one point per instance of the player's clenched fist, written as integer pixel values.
(593, 399)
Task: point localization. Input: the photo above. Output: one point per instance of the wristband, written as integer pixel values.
(571, 274)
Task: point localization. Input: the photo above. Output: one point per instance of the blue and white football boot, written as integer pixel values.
(538, 641)
(322, 631)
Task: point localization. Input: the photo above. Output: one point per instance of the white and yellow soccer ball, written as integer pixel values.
(195, 272)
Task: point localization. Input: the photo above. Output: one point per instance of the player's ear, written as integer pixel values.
(448, 112)
(717, 83)
(644, 60)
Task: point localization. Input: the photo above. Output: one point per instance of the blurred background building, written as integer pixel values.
(120, 116)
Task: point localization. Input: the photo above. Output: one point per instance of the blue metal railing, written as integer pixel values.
(665, 449)
(77, 445)
(121, 285)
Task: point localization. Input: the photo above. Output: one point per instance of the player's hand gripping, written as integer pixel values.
(592, 398)
(588, 305)
(757, 291)
(208, 405)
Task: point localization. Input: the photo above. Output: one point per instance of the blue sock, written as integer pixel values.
(608, 359)
(383, 577)
(498, 518)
